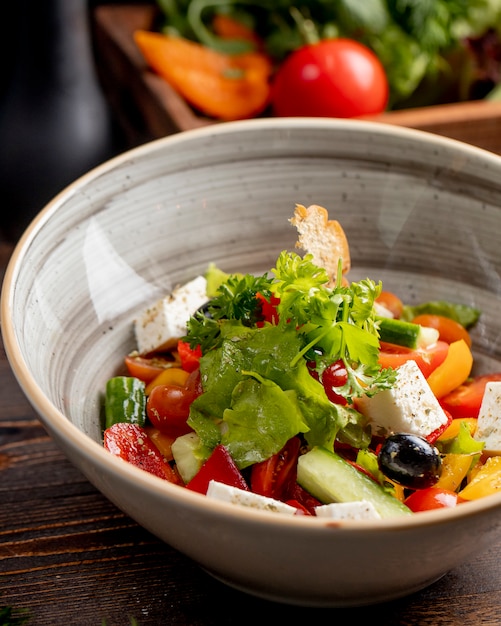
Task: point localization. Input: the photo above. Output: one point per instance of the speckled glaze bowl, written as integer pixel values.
(422, 213)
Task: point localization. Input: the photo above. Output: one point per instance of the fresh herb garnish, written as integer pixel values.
(258, 388)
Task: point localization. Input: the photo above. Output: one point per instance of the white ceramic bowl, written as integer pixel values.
(422, 213)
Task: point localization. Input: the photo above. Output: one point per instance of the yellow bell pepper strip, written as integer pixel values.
(223, 86)
(453, 371)
(486, 482)
(455, 467)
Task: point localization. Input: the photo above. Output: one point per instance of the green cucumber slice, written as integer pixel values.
(125, 401)
(406, 334)
(329, 478)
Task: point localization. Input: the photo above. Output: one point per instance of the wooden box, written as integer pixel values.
(147, 107)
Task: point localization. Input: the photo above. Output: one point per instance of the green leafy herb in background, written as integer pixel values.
(432, 50)
(10, 616)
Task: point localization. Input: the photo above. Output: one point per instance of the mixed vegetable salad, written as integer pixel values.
(233, 59)
(301, 392)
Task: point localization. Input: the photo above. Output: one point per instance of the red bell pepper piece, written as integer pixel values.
(190, 357)
(220, 467)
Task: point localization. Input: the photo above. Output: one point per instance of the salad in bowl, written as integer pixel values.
(300, 392)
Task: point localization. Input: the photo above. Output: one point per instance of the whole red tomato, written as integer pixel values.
(332, 78)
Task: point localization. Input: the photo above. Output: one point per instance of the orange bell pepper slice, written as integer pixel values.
(223, 86)
(453, 371)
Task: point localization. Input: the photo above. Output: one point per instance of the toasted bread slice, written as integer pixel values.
(323, 238)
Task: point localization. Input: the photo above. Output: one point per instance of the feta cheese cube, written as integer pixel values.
(489, 418)
(162, 324)
(361, 509)
(410, 406)
(234, 495)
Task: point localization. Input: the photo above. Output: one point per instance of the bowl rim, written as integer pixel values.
(56, 422)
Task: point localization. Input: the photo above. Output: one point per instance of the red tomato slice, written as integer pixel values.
(427, 359)
(270, 477)
(132, 443)
(466, 399)
(432, 498)
(146, 368)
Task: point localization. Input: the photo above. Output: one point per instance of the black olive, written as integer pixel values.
(410, 461)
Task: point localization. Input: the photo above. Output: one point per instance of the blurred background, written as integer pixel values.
(55, 123)
(78, 88)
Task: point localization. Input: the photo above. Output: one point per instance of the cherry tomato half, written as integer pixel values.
(465, 400)
(332, 78)
(428, 359)
(146, 368)
(431, 498)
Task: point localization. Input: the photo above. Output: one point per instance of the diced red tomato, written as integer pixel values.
(391, 302)
(270, 477)
(220, 467)
(428, 359)
(146, 368)
(189, 357)
(449, 330)
(132, 443)
(465, 400)
(431, 498)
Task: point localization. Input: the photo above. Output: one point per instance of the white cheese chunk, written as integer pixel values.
(162, 324)
(410, 406)
(234, 495)
(361, 509)
(489, 418)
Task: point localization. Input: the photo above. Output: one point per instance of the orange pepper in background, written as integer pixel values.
(230, 28)
(453, 371)
(223, 86)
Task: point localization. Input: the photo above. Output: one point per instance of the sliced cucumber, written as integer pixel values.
(125, 401)
(329, 478)
(189, 454)
(406, 334)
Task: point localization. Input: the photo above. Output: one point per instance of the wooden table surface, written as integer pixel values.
(69, 557)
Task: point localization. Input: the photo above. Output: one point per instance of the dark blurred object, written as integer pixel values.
(55, 123)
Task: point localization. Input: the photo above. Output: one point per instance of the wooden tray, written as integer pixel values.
(147, 107)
